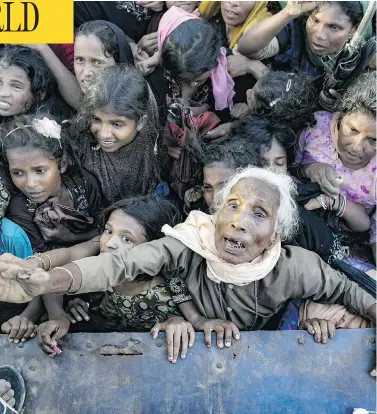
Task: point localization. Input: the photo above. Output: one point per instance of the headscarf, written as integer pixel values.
(125, 52)
(222, 82)
(198, 234)
(208, 9)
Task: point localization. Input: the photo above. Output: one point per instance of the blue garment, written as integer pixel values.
(14, 240)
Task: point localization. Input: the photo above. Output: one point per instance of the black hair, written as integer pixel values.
(193, 47)
(360, 96)
(111, 40)
(121, 89)
(258, 132)
(352, 9)
(150, 212)
(18, 132)
(42, 82)
(288, 97)
(235, 152)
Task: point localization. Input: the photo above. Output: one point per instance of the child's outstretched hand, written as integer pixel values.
(77, 310)
(321, 329)
(19, 329)
(179, 334)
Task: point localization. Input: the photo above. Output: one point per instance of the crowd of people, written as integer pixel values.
(185, 166)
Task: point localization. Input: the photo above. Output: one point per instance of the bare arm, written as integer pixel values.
(66, 81)
(34, 310)
(253, 43)
(60, 257)
(356, 217)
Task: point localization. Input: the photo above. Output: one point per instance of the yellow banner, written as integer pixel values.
(37, 21)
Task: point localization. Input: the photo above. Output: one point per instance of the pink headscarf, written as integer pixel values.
(222, 82)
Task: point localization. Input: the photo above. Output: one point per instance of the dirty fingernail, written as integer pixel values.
(10, 340)
(16, 341)
(23, 340)
(221, 345)
(227, 344)
(183, 356)
(237, 336)
(174, 361)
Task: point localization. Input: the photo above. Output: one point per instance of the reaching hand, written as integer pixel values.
(326, 176)
(77, 310)
(179, 334)
(156, 6)
(19, 329)
(148, 43)
(50, 332)
(19, 285)
(296, 8)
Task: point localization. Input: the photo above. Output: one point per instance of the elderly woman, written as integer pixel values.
(232, 263)
(339, 153)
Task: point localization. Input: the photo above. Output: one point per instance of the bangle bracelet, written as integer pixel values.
(70, 274)
(320, 200)
(35, 256)
(48, 258)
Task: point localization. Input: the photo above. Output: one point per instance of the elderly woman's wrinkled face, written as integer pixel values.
(357, 140)
(245, 226)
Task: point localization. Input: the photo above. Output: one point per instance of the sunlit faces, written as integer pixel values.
(121, 232)
(89, 59)
(234, 13)
(245, 226)
(113, 131)
(15, 91)
(188, 6)
(327, 29)
(357, 140)
(215, 176)
(274, 158)
(35, 174)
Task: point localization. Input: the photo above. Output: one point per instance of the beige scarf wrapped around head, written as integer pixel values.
(198, 234)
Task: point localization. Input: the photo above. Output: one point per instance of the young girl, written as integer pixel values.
(56, 203)
(25, 81)
(136, 305)
(98, 44)
(219, 164)
(117, 134)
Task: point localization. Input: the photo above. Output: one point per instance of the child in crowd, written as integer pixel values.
(26, 83)
(136, 305)
(56, 201)
(98, 44)
(117, 134)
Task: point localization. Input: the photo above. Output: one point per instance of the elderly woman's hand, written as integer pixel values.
(321, 329)
(19, 285)
(325, 175)
(179, 334)
(221, 327)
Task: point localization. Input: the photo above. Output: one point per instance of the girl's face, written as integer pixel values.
(35, 174)
(274, 158)
(89, 60)
(15, 91)
(357, 140)
(121, 232)
(188, 6)
(215, 176)
(327, 29)
(192, 81)
(113, 131)
(235, 13)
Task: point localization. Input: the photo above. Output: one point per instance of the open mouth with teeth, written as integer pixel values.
(233, 244)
